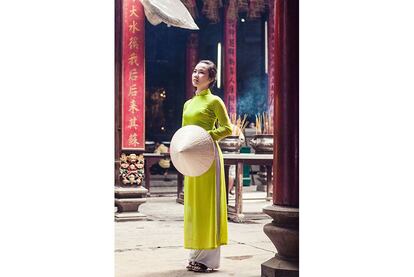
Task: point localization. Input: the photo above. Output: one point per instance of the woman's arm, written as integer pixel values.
(182, 121)
(224, 128)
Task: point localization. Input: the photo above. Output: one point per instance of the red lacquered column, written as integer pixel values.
(286, 120)
(283, 231)
(192, 59)
(271, 58)
(130, 194)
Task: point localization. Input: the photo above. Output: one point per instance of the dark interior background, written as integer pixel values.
(165, 52)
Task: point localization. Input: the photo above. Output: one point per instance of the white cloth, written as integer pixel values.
(207, 257)
(171, 12)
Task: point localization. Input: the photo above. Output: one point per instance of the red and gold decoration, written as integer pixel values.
(232, 11)
(131, 194)
(256, 8)
(192, 59)
(131, 170)
(191, 6)
(211, 10)
(133, 76)
(243, 6)
(230, 57)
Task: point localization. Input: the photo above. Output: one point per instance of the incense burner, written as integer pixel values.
(230, 144)
(262, 144)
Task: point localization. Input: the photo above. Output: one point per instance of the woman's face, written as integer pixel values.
(200, 76)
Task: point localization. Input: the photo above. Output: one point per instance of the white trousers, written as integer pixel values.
(209, 258)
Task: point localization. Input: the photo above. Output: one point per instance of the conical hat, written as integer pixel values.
(192, 150)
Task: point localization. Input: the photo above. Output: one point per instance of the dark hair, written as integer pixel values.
(212, 71)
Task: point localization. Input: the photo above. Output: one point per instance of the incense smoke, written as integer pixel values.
(252, 98)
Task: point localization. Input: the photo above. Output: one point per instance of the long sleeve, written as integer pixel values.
(182, 120)
(224, 128)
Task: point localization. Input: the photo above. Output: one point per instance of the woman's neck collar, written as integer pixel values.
(202, 92)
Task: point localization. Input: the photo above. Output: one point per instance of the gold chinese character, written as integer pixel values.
(133, 107)
(133, 27)
(133, 59)
(133, 11)
(133, 123)
(133, 74)
(132, 90)
(133, 43)
(133, 140)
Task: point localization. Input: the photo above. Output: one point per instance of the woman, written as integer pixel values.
(205, 210)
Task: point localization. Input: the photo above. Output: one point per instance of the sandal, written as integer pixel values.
(198, 267)
(190, 266)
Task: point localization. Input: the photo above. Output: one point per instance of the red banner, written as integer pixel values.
(271, 57)
(133, 76)
(230, 64)
(192, 59)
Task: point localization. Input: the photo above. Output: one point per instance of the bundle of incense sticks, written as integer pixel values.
(238, 123)
(264, 124)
